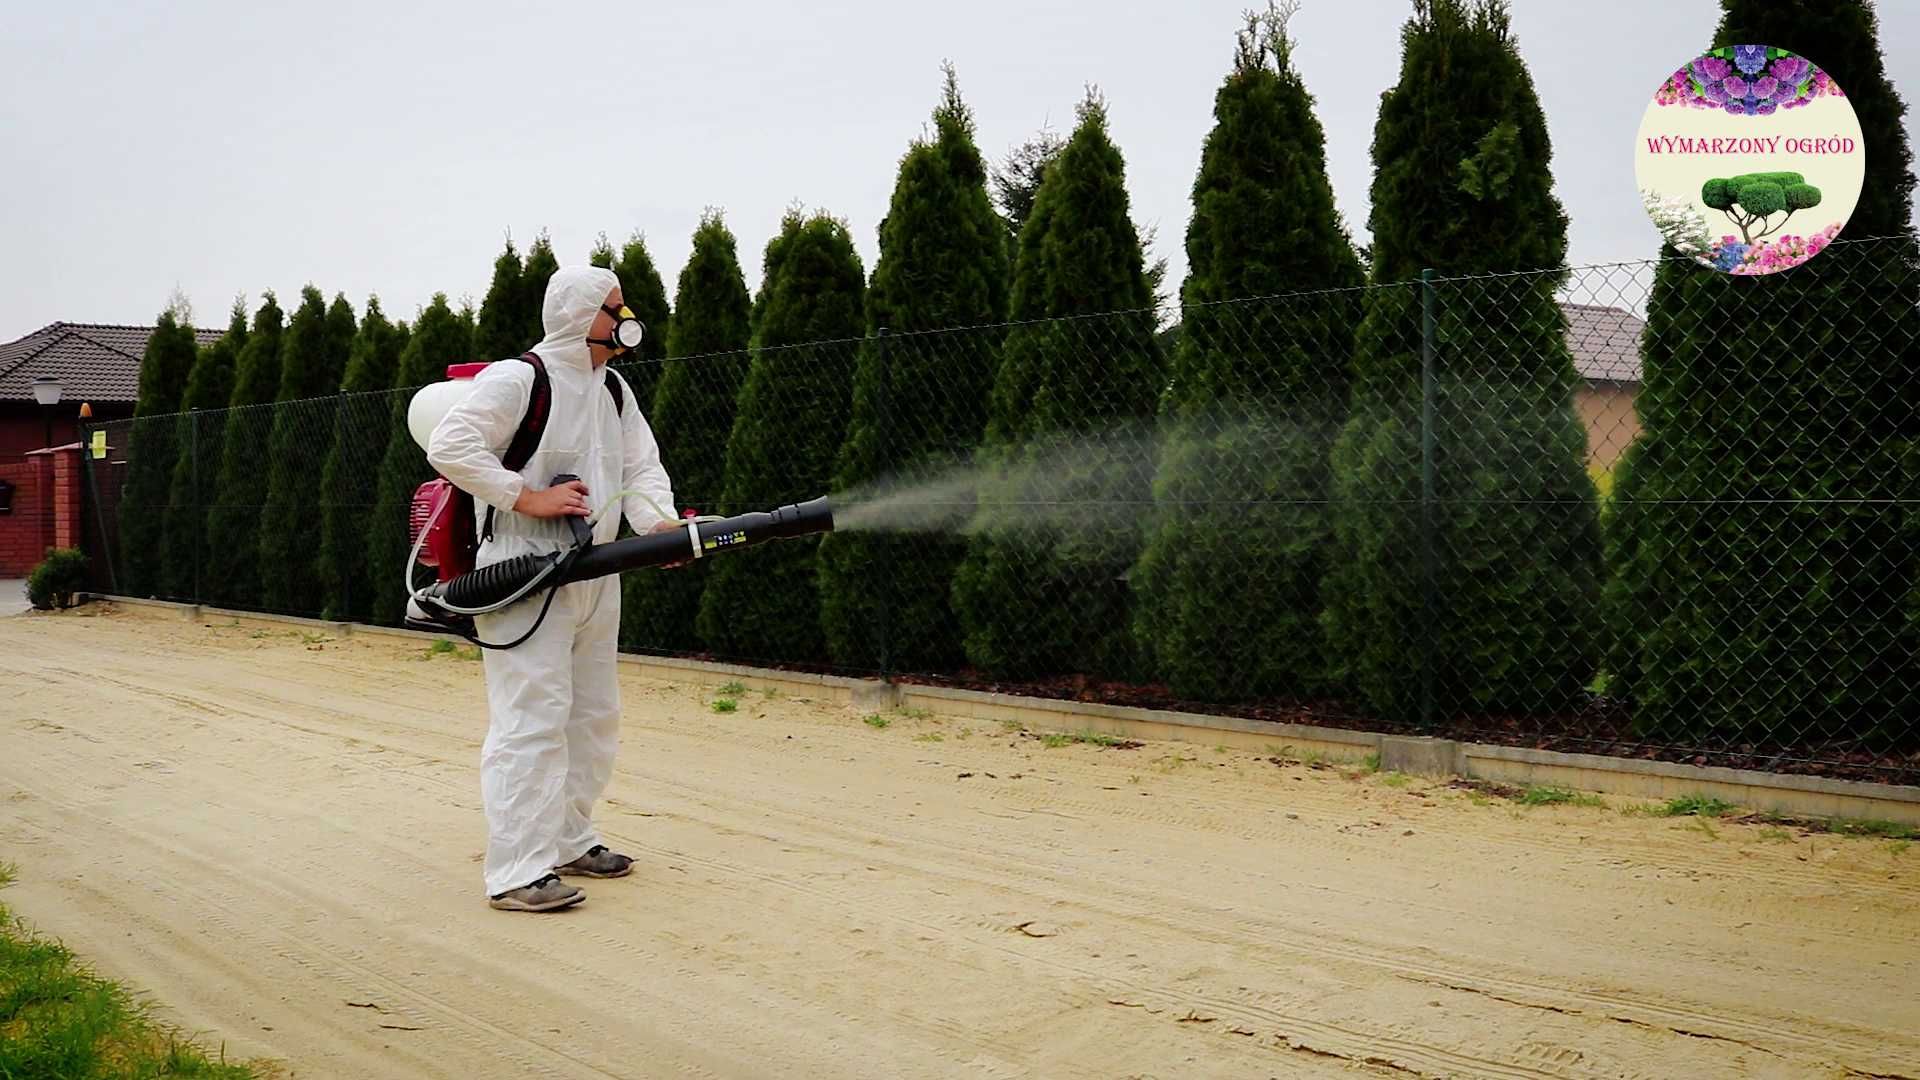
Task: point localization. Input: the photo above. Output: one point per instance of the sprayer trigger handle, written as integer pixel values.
(582, 532)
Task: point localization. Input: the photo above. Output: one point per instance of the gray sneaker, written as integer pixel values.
(547, 894)
(598, 862)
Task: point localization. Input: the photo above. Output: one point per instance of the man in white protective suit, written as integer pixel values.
(554, 700)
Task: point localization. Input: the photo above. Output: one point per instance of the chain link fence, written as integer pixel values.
(1641, 509)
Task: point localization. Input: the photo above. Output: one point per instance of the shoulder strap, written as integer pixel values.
(532, 426)
(534, 423)
(619, 395)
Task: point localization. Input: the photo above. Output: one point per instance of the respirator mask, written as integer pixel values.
(627, 330)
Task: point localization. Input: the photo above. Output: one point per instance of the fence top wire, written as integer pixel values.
(1581, 271)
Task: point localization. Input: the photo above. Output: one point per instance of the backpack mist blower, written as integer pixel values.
(441, 526)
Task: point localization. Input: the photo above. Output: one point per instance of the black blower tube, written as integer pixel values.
(742, 530)
(492, 584)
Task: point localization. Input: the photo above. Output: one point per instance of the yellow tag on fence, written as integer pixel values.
(99, 444)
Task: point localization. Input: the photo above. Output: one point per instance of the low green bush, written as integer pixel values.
(55, 581)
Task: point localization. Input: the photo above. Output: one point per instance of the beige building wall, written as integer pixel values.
(1606, 408)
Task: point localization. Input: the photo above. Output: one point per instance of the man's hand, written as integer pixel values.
(566, 500)
(671, 526)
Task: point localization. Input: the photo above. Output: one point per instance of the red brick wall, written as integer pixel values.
(47, 505)
(66, 498)
(27, 532)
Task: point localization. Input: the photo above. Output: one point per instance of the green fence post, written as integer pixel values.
(881, 542)
(110, 548)
(193, 487)
(1427, 569)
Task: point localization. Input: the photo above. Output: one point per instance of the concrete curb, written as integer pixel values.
(1798, 796)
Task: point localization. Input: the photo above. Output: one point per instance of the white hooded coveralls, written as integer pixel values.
(553, 701)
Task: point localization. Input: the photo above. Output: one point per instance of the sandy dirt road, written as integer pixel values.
(278, 839)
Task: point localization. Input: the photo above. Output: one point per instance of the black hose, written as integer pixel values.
(494, 584)
(490, 585)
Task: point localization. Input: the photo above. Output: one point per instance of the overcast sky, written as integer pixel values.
(388, 147)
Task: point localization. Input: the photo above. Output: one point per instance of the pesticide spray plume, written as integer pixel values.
(1079, 482)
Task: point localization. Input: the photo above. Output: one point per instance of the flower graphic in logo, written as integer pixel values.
(1747, 80)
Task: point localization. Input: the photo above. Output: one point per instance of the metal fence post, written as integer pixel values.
(110, 547)
(193, 487)
(882, 545)
(1427, 569)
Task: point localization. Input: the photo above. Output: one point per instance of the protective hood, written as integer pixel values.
(574, 296)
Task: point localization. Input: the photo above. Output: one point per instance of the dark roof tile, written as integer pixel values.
(1605, 342)
(98, 362)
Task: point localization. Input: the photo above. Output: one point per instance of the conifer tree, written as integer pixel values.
(313, 360)
(1038, 593)
(1483, 596)
(196, 468)
(231, 572)
(919, 398)
(351, 476)
(502, 328)
(692, 415)
(541, 263)
(1760, 561)
(764, 603)
(1228, 591)
(1016, 182)
(438, 333)
(164, 369)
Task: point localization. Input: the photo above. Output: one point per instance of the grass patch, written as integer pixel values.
(725, 704)
(733, 689)
(57, 1019)
(1546, 795)
(1396, 779)
(929, 736)
(878, 722)
(1054, 740)
(1484, 792)
(1775, 832)
(314, 639)
(1011, 726)
(1899, 847)
(1370, 763)
(449, 649)
(1693, 806)
(1885, 830)
(1867, 828)
(912, 712)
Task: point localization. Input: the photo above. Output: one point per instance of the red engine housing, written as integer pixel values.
(449, 547)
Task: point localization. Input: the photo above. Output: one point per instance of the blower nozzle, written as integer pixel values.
(451, 605)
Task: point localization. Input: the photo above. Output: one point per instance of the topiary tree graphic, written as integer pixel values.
(1752, 198)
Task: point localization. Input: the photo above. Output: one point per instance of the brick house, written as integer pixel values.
(98, 366)
(1606, 352)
